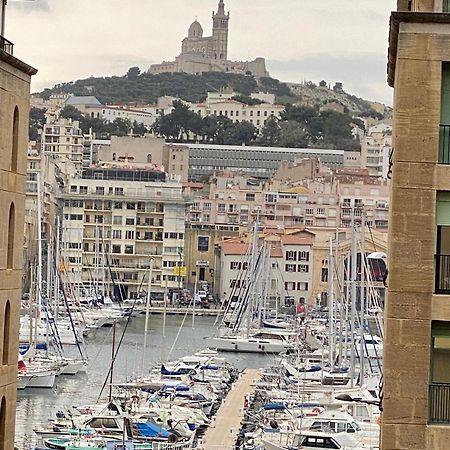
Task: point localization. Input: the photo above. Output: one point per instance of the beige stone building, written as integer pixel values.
(201, 241)
(14, 110)
(63, 139)
(115, 219)
(237, 112)
(145, 152)
(289, 270)
(416, 412)
(323, 201)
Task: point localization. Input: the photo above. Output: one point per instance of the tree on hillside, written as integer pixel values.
(292, 135)
(335, 126)
(133, 73)
(139, 128)
(270, 133)
(37, 122)
(241, 133)
(70, 112)
(247, 100)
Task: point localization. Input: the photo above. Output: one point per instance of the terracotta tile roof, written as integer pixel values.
(234, 248)
(193, 184)
(276, 252)
(292, 239)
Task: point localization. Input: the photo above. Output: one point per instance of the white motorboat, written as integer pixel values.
(313, 440)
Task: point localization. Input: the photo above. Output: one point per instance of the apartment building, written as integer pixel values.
(63, 139)
(324, 201)
(115, 220)
(371, 198)
(15, 78)
(376, 148)
(416, 381)
(288, 272)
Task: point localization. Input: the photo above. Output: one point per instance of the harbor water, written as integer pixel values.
(36, 406)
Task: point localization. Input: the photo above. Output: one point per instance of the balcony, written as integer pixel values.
(6, 46)
(444, 144)
(439, 403)
(442, 274)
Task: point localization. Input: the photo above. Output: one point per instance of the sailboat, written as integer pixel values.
(241, 328)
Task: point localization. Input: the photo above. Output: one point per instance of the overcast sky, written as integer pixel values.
(335, 40)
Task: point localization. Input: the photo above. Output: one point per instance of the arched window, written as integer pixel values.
(3, 424)
(6, 331)
(149, 158)
(15, 140)
(114, 156)
(10, 237)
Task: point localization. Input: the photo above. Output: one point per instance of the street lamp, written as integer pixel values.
(348, 398)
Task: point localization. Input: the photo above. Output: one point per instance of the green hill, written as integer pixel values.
(146, 88)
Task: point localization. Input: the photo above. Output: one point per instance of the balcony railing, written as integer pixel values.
(439, 403)
(6, 46)
(444, 144)
(442, 274)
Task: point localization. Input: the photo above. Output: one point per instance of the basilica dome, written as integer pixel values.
(195, 30)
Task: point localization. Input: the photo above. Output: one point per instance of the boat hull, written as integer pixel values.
(44, 380)
(248, 346)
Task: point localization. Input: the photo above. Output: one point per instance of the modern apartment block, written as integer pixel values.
(416, 408)
(115, 220)
(15, 78)
(376, 148)
(63, 139)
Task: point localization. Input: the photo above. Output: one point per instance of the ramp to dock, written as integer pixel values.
(223, 433)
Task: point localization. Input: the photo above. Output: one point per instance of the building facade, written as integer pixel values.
(417, 314)
(255, 161)
(289, 269)
(376, 149)
(14, 111)
(64, 139)
(321, 202)
(114, 222)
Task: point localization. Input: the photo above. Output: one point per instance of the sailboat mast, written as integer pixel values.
(331, 300)
(251, 275)
(163, 342)
(147, 313)
(362, 297)
(39, 243)
(353, 302)
(112, 361)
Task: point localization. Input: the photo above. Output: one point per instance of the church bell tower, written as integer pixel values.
(220, 33)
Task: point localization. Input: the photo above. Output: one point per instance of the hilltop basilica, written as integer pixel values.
(209, 54)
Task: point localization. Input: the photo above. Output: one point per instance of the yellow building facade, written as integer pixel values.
(416, 407)
(14, 109)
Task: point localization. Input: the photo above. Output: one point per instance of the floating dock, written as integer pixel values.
(224, 431)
